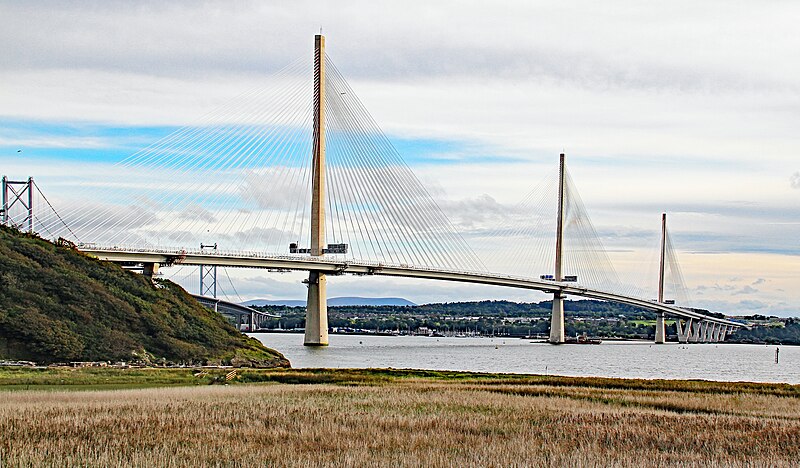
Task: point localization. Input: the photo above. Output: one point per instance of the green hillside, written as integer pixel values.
(58, 305)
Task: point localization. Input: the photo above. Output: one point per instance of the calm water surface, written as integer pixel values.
(727, 362)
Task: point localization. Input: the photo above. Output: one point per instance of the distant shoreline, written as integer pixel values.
(542, 339)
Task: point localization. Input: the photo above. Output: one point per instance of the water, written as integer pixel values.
(724, 362)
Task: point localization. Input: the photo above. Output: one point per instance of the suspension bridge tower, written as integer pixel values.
(661, 332)
(17, 193)
(557, 318)
(316, 307)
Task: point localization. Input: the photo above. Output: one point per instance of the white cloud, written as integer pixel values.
(746, 290)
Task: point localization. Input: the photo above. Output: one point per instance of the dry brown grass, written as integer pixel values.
(413, 422)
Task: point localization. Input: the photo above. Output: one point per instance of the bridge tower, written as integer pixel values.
(317, 306)
(17, 192)
(661, 332)
(557, 318)
(208, 275)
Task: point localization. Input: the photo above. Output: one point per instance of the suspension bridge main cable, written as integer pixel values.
(44, 197)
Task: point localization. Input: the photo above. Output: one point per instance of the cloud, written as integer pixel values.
(188, 38)
(752, 305)
(795, 180)
(195, 212)
(481, 211)
(746, 290)
(59, 142)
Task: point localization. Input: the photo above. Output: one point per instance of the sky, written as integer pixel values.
(680, 107)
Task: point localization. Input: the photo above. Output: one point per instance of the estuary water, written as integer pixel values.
(627, 359)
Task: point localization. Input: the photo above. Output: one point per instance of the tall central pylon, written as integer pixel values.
(661, 332)
(317, 306)
(557, 318)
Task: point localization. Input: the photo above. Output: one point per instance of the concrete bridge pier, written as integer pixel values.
(150, 269)
(721, 332)
(316, 310)
(683, 329)
(694, 332)
(701, 332)
(557, 320)
(713, 331)
(661, 329)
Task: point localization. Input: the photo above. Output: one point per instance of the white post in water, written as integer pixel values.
(661, 331)
(557, 319)
(317, 306)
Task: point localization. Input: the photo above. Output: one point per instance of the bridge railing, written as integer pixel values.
(301, 258)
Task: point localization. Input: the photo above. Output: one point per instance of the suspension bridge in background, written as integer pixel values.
(294, 177)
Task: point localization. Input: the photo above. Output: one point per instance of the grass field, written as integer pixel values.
(389, 417)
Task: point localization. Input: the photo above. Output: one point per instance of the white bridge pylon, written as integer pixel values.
(311, 178)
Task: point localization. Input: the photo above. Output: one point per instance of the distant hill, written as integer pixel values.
(266, 302)
(336, 302)
(59, 305)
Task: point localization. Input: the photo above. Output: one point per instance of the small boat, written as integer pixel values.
(582, 339)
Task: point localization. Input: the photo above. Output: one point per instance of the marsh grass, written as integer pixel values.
(402, 418)
(64, 378)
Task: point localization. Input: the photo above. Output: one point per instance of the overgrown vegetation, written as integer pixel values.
(402, 418)
(772, 331)
(15, 378)
(59, 305)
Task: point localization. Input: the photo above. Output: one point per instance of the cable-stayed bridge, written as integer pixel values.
(297, 176)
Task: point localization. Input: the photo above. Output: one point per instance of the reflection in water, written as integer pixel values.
(611, 359)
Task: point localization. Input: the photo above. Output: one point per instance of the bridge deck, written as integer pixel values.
(226, 307)
(333, 266)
